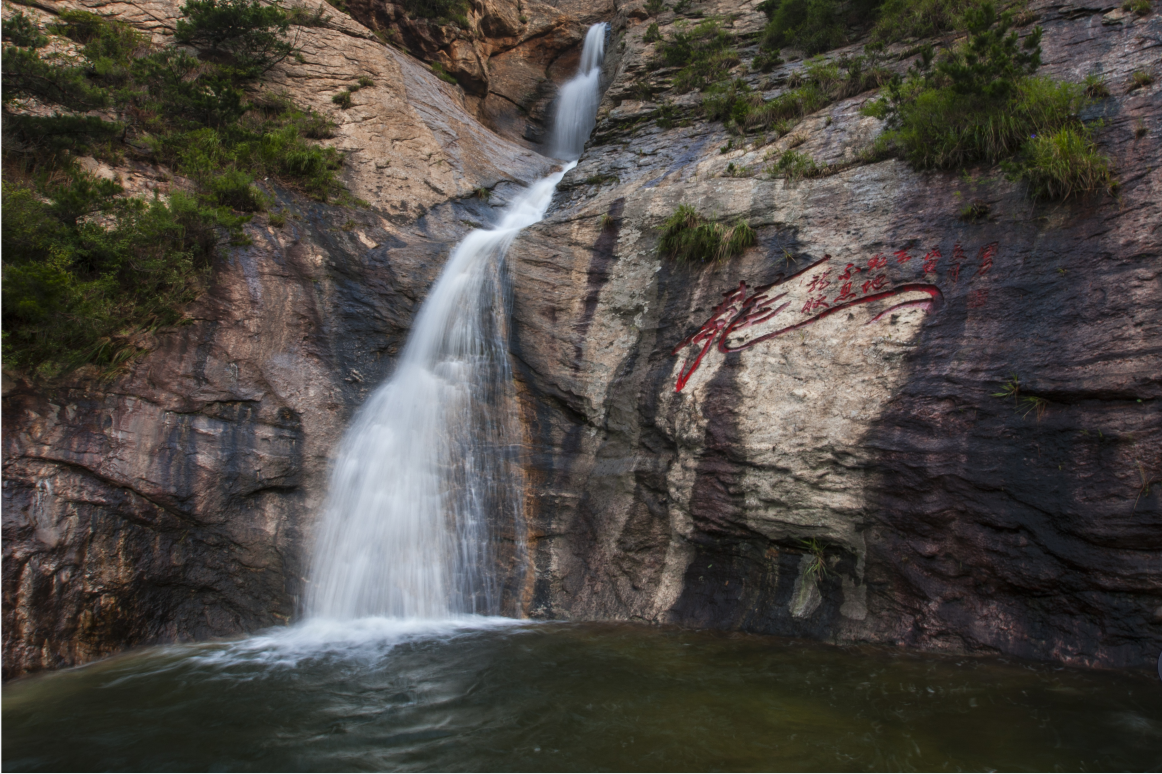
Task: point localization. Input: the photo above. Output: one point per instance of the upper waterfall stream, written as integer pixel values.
(428, 463)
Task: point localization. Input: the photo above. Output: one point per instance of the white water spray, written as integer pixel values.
(427, 472)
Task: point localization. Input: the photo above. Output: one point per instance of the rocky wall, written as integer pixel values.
(807, 439)
(175, 501)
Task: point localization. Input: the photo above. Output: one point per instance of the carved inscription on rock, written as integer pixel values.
(821, 290)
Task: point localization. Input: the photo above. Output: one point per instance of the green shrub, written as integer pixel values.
(744, 110)
(652, 34)
(236, 190)
(812, 25)
(1140, 79)
(908, 19)
(25, 74)
(1064, 164)
(101, 38)
(766, 60)
(21, 30)
(940, 129)
(687, 236)
(705, 55)
(794, 166)
(1140, 7)
(667, 115)
(85, 267)
(75, 291)
(301, 16)
(654, 7)
(1095, 86)
(981, 103)
(245, 33)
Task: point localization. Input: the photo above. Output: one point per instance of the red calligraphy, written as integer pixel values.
(845, 292)
(902, 256)
(875, 284)
(847, 272)
(819, 282)
(930, 260)
(813, 304)
(987, 253)
(877, 262)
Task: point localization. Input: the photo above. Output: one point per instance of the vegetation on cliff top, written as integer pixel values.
(981, 102)
(87, 268)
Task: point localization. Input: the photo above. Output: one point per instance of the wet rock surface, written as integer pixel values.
(854, 477)
(175, 501)
(851, 479)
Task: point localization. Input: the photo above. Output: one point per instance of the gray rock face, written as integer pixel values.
(847, 477)
(176, 501)
(751, 446)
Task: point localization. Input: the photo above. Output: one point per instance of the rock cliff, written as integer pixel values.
(712, 450)
(174, 502)
(852, 479)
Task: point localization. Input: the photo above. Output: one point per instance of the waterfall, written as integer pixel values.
(578, 100)
(427, 471)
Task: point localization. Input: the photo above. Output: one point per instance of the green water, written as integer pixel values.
(493, 695)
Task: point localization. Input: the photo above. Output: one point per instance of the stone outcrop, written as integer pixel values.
(174, 502)
(509, 59)
(850, 479)
(854, 478)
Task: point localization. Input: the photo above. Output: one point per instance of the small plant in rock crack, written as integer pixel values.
(1095, 87)
(1010, 388)
(817, 567)
(607, 222)
(653, 34)
(483, 194)
(1035, 405)
(1140, 79)
(975, 212)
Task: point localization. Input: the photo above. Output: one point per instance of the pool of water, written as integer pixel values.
(494, 694)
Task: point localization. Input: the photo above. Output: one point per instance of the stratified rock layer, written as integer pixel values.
(854, 477)
(176, 502)
(850, 479)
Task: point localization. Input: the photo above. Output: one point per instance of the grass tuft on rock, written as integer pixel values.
(1064, 164)
(688, 237)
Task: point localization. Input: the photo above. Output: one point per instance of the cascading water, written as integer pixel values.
(428, 462)
(578, 100)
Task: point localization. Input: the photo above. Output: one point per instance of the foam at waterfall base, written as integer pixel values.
(320, 639)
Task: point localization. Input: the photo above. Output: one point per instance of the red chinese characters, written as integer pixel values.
(845, 293)
(987, 253)
(814, 303)
(902, 256)
(741, 309)
(877, 262)
(930, 260)
(819, 282)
